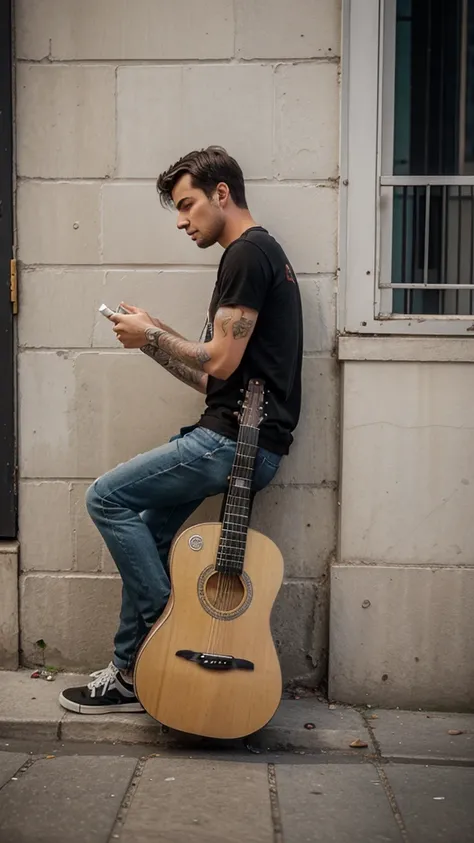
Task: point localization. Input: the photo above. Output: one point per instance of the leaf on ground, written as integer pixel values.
(455, 732)
(358, 744)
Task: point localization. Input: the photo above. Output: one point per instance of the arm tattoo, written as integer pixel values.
(192, 354)
(241, 328)
(225, 322)
(183, 373)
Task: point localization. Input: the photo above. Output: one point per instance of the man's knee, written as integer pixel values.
(93, 500)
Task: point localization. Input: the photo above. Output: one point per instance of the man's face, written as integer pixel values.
(202, 218)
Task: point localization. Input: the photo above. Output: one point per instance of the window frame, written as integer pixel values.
(367, 102)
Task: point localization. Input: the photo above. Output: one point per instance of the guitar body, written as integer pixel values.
(214, 614)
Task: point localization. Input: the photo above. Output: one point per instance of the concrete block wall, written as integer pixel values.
(108, 95)
(9, 605)
(402, 591)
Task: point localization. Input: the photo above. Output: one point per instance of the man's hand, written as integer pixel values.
(130, 328)
(139, 310)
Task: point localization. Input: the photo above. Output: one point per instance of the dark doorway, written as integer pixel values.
(7, 410)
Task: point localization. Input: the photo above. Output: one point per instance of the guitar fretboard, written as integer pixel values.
(231, 551)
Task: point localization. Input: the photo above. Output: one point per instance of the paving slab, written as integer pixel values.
(436, 803)
(10, 763)
(182, 800)
(335, 728)
(424, 735)
(334, 803)
(65, 800)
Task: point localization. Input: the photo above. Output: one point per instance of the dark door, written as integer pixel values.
(7, 425)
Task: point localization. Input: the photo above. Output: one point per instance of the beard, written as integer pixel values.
(204, 241)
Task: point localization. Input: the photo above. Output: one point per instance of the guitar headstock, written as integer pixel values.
(252, 412)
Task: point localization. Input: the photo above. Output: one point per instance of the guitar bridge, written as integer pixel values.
(215, 661)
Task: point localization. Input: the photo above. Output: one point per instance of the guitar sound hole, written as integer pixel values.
(225, 592)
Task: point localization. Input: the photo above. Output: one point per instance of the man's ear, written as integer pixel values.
(223, 194)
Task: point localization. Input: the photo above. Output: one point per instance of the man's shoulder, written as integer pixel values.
(256, 245)
(261, 239)
(247, 249)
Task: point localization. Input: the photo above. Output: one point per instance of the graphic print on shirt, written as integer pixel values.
(289, 274)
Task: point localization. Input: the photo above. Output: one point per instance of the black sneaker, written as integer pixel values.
(107, 692)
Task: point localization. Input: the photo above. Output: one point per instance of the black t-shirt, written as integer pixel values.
(254, 272)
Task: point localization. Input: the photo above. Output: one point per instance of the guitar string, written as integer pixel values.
(224, 579)
(238, 498)
(230, 547)
(244, 469)
(223, 585)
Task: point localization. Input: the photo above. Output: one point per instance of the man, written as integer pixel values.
(254, 330)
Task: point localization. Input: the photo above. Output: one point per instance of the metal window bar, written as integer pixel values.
(435, 243)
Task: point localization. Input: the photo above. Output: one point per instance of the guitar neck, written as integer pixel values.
(231, 551)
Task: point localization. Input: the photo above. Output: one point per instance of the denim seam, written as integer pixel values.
(170, 515)
(271, 464)
(115, 534)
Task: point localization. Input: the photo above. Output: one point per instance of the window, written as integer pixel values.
(408, 166)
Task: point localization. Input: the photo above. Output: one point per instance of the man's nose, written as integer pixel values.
(182, 222)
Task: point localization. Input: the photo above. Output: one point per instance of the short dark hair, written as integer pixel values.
(207, 168)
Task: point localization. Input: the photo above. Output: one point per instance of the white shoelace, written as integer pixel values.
(103, 677)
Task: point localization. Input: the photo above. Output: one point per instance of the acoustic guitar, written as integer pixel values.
(209, 665)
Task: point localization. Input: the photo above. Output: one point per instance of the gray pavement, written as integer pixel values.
(62, 799)
(62, 796)
(126, 779)
(423, 735)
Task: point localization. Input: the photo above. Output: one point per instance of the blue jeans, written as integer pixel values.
(139, 506)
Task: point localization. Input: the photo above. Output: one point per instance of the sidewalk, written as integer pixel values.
(29, 709)
(67, 778)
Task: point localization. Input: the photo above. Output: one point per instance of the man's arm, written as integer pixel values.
(219, 357)
(233, 327)
(183, 373)
(198, 380)
(160, 324)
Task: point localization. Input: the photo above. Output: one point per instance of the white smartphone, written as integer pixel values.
(107, 312)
